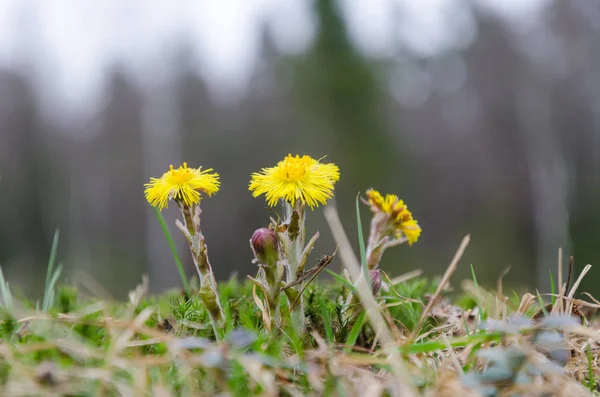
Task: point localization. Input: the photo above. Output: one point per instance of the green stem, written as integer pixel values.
(273, 278)
(167, 233)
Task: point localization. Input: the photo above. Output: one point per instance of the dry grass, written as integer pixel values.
(164, 346)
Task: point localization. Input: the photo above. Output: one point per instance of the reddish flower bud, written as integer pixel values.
(266, 246)
(375, 276)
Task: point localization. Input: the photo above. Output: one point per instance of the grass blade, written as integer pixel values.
(52, 260)
(474, 277)
(5, 291)
(482, 314)
(552, 288)
(51, 274)
(342, 280)
(327, 322)
(167, 233)
(542, 304)
(590, 362)
(436, 345)
(355, 331)
(50, 292)
(361, 242)
(361, 238)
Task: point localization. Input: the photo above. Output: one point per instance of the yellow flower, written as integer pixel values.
(296, 178)
(411, 230)
(397, 216)
(182, 184)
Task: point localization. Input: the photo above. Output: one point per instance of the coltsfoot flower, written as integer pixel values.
(398, 218)
(183, 184)
(296, 178)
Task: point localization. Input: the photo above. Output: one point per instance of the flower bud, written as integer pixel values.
(375, 276)
(266, 246)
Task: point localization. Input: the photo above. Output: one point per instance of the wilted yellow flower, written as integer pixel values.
(398, 217)
(296, 178)
(183, 184)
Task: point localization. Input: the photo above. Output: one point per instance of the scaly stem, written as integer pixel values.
(208, 292)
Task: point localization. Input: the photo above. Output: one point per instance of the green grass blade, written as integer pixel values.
(355, 331)
(516, 297)
(467, 330)
(552, 288)
(327, 322)
(167, 233)
(52, 260)
(51, 274)
(542, 304)
(592, 378)
(474, 277)
(361, 242)
(50, 291)
(7, 299)
(482, 314)
(436, 345)
(342, 280)
(361, 238)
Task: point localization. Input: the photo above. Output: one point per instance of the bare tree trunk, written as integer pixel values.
(548, 175)
(161, 147)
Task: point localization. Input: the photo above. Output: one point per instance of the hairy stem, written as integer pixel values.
(209, 293)
(295, 216)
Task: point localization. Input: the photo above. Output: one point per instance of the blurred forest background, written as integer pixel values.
(484, 116)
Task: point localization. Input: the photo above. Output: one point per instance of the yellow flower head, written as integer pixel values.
(296, 178)
(398, 217)
(182, 184)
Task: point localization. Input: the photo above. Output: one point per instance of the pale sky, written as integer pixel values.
(72, 43)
